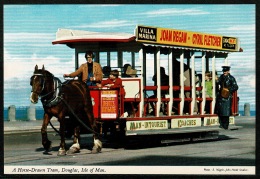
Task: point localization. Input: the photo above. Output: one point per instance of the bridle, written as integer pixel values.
(55, 98)
(42, 83)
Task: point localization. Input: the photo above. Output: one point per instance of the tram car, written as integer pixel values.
(180, 109)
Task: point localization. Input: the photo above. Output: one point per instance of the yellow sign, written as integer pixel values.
(109, 104)
(211, 121)
(185, 38)
(185, 122)
(231, 120)
(146, 125)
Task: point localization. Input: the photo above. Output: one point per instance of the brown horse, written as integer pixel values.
(72, 98)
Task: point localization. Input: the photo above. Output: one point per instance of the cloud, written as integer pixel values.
(22, 67)
(28, 37)
(249, 80)
(107, 24)
(242, 28)
(175, 12)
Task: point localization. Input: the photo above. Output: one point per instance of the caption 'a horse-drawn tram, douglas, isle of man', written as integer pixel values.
(182, 107)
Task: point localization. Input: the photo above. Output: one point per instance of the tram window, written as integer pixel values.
(82, 58)
(149, 69)
(113, 59)
(127, 58)
(164, 62)
(103, 61)
(133, 60)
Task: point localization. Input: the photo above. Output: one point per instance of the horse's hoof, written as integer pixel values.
(96, 150)
(61, 153)
(72, 151)
(48, 146)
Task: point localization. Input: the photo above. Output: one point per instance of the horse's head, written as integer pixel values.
(37, 82)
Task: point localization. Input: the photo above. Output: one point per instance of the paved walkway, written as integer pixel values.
(26, 126)
(35, 125)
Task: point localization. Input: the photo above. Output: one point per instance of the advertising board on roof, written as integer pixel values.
(183, 38)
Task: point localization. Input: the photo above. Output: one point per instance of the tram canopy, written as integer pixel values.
(151, 36)
(66, 36)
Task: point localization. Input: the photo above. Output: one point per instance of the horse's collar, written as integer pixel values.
(55, 99)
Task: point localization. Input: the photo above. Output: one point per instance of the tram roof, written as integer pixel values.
(66, 36)
(69, 37)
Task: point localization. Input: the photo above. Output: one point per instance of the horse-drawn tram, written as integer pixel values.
(169, 106)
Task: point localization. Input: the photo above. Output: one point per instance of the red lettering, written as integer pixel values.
(166, 35)
(210, 40)
(197, 39)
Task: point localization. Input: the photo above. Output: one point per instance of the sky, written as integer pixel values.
(30, 29)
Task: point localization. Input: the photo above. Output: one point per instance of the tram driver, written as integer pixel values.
(91, 71)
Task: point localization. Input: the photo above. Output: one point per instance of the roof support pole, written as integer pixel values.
(207, 64)
(108, 59)
(158, 76)
(120, 58)
(155, 61)
(142, 60)
(203, 83)
(182, 81)
(226, 61)
(170, 82)
(193, 89)
(133, 59)
(76, 59)
(97, 57)
(213, 83)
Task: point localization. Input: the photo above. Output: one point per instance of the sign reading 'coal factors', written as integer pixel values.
(146, 33)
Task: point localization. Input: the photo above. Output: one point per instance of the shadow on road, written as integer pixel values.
(182, 161)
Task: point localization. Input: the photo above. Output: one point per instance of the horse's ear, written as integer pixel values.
(36, 68)
(43, 68)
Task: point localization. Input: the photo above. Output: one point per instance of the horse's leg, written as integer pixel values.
(97, 142)
(75, 148)
(45, 141)
(62, 150)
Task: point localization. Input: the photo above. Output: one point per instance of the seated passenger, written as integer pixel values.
(106, 71)
(113, 82)
(128, 72)
(164, 82)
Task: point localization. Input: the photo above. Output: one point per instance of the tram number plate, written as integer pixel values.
(146, 125)
(185, 122)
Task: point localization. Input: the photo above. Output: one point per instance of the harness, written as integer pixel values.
(55, 98)
(56, 92)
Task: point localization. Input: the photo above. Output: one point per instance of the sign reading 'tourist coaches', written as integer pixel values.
(185, 38)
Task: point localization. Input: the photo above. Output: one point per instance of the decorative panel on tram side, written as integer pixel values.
(105, 103)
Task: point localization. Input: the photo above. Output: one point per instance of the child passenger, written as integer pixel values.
(208, 84)
(113, 82)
